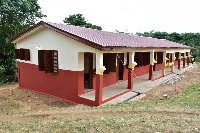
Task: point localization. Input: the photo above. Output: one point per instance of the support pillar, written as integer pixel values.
(130, 78)
(99, 79)
(173, 61)
(179, 60)
(130, 70)
(188, 59)
(184, 60)
(99, 89)
(151, 65)
(150, 72)
(164, 64)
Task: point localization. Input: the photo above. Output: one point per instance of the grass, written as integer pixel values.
(180, 113)
(8, 105)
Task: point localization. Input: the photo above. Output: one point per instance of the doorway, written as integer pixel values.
(120, 67)
(88, 71)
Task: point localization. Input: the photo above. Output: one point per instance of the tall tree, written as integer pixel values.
(79, 20)
(190, 39)
(15, 17)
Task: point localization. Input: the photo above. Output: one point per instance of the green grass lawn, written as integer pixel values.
(180, 113)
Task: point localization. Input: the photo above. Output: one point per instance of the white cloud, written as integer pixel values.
(131, 15)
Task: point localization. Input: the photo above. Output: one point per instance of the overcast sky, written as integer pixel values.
(129, 15)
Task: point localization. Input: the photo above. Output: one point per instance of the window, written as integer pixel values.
(48, 61)
(176, 55)
(142, 58)
(109, 61)
(159, 57)
(22, 54)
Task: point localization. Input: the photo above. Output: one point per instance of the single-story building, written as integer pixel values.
(62, 60)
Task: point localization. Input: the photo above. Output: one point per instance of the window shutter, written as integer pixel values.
(140, 58)
(27, 55)
(22, 54)
(170, 56)
(106, 62)
(127, 60)
(159, 57)
(148, 58)
(41, 60)
(136, 58)
(48, 61)
(112, 62)
(176, 55)
(17, 53)
(55, 61)
(144, 62)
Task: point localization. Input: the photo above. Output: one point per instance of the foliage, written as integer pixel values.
(79, 20)
(189, 39)
(15, 17)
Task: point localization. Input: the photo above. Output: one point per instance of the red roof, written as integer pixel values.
(100, 39)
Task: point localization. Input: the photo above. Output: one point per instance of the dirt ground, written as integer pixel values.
(190, 77)
(28, 100)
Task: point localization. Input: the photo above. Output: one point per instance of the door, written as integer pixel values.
(88, 70)
(120, 67)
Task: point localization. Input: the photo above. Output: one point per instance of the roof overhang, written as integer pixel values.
(146, 49)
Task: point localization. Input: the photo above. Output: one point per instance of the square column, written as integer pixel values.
(179, 60)
(184, 60)
(173, 60)
(164, 64)
(188, 59)
(130, 70)
(151, 65)
(99, 79)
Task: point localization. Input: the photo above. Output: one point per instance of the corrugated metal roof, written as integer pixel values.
(97, 38)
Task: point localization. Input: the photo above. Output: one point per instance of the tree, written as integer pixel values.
(189, 39)
(15, 17)
(79, 20)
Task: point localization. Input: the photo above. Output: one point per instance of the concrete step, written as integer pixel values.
(123, 98)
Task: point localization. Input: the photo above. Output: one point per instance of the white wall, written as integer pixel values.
(48, 39)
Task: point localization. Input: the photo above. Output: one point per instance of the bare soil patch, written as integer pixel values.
(190, 77)
(28, 100)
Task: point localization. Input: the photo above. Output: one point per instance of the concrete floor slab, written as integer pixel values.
(141, 85)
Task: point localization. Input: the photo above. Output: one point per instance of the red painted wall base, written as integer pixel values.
(68, 85)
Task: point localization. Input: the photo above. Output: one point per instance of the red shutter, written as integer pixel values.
(17, 53)
(148, 58)
(106, 63)
(136, 58)
(22, 54)
(144, 62)
(176, 55)
(27, 55)
(55, 61)
(41, 60)
(140, 58)
(112, 62)
(48, 61)
(159, 57)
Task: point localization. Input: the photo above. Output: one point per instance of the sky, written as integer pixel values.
(129, 16)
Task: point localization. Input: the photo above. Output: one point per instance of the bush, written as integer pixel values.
(197, 59)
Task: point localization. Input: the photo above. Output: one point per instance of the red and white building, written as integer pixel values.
(62, 60)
